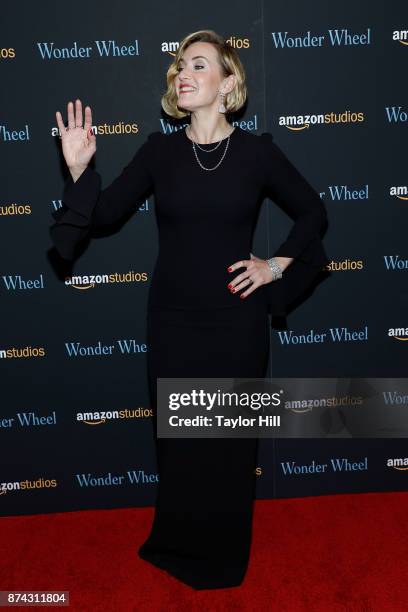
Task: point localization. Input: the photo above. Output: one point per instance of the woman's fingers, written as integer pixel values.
(75, 117)
(88, 118)
(60, 123)
(252, 278)
(71, 118)
(247, 284)
(78, 113)
(249, 268)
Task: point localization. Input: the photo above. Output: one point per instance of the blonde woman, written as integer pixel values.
(209, 295)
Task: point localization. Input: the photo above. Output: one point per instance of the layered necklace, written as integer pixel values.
(197, 146)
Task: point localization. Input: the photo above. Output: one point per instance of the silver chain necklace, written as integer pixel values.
(209, 150)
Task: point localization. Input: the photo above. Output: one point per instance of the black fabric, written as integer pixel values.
(205, 218)
(202, 526)
(286, 186)
(196, 328)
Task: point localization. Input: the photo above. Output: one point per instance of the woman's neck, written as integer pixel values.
(206, 134)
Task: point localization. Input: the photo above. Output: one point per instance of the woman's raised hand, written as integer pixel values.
(78, 140)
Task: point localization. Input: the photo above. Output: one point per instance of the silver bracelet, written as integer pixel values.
(275, 267)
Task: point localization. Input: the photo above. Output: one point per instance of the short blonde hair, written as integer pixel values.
(229, 63)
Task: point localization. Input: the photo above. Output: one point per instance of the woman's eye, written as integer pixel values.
(196, 66)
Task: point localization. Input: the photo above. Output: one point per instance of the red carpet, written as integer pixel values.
(332, 553)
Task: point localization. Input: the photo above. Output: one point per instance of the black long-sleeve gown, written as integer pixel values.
(201, 531)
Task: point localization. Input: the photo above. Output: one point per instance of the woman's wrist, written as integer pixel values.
(76, 172)
(283, 262)
(278, 265)
(276, 269)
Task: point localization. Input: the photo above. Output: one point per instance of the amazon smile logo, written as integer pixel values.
(399, 191)
(306, 405)
(398, 333)
(297, 123)
(171, 46)
(100, 417)
(398, 463)
(89, 281)
(400, 36)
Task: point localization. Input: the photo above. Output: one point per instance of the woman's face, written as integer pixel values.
(199, 78)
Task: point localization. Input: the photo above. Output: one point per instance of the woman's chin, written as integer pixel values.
(183, 108)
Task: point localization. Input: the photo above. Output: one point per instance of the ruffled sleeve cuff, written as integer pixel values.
(73, 219)
(297, 278)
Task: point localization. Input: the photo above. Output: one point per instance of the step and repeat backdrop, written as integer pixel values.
(329, 82)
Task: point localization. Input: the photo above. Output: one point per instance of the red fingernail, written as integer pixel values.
(229, 286)
(242, 296)
(229, 269)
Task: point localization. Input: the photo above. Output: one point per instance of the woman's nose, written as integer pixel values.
(184, 73)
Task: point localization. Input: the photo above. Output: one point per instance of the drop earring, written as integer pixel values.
(221, 108)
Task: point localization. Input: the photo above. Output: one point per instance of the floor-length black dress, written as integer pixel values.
(201, 532)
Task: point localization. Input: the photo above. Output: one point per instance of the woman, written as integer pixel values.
(208, 299)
